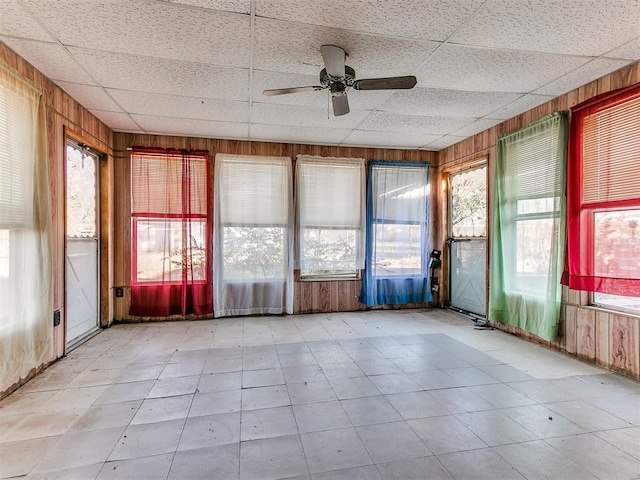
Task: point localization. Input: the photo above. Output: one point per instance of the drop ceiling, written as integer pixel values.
(198, 67)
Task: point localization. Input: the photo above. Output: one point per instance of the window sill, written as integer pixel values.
(329, 279)
(612, 311)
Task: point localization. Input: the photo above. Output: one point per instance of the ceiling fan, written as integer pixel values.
(338, 78)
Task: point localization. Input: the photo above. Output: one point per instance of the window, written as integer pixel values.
(528, 229)
(330, 201)
(26, 336)
(396, 261)
(253, 225)
(170, 232)
(604, 199)
(536, 221)
(622, 303)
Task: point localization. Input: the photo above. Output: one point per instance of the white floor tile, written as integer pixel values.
(358, 395)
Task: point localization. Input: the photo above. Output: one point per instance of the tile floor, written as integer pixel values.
(377, 395)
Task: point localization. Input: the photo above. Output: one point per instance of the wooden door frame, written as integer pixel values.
(102, 266)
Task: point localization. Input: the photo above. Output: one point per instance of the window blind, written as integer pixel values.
(531, 171)
(330, 191)
(16, 160)
(401, 193)
(611, 153)
(254, 191)
(162, 183)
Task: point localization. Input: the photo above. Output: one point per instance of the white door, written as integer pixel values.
(82, 243)
(467, 240)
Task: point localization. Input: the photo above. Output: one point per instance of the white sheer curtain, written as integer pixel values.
(253, 232)
(25, 232)
(330, 199)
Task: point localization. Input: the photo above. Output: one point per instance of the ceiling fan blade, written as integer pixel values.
(340, 104)
(334, 58)
(284, 91)
(388, 83)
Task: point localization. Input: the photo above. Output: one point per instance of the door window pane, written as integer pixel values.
(469, 203)
(81, 198)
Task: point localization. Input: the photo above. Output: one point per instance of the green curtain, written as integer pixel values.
(529, 226)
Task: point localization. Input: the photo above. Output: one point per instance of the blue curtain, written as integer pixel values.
(396, 264)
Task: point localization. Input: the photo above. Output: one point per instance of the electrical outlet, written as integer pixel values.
(56, 318)
(119, 291)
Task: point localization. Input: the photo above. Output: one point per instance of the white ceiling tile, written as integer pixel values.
(444, 142)
(304, 116)
(181, 107)
(522, 104)
(597, 68)
(446, 103)
(147, 74)
(289, 47)
(307, 135)
(388, 140)
(578, 27)
(476, 127)
(409, 18)
(155, 29)
(15, 21)
(94, 98)
(480, 69)
(51, 59)
(117, 121)
(629, 50)
(190, 127)
(397, 122)
(368, 99)
(237, 6)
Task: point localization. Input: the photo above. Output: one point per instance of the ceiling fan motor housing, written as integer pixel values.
(347, 80)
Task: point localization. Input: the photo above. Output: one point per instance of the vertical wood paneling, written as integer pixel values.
(609, 340)
(623, 344)
(585, 333)
(603, 333)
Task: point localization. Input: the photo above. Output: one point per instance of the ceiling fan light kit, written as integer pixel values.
(338, 78)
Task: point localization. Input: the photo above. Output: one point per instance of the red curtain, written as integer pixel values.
(171, 233)
(603, 195)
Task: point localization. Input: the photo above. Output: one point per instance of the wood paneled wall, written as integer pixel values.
(63, 112)
(309, 296)
(608, 339)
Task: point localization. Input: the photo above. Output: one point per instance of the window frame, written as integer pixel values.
(550, 214)
(424, 227)
(521, 165)
(183, 217)
(581, 273)
(358, 228)
(286, 226)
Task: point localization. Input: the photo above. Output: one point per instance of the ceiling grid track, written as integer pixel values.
(252, 24)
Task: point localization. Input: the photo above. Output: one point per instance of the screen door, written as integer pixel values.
(82, 243)
(467, 240)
